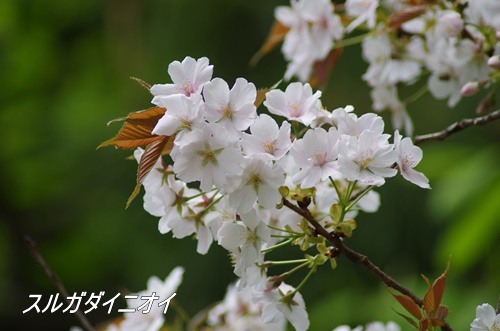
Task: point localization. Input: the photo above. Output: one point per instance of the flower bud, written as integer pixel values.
(470, 88)
(497, 34)
(494, 62)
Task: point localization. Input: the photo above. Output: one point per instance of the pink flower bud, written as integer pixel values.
(497, 34)
(470, 88)
(494, 62)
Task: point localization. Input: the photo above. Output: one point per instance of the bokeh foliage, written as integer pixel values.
(65, 68)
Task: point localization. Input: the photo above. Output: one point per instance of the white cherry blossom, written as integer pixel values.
(266, 139)
(408, 157)
(297, 103)
(233, 109)
(259, 181)
(208, 157)
(182, 115)
(153, 320)
(316, 155)
(188, 78)
(368, 159)
(274, 310)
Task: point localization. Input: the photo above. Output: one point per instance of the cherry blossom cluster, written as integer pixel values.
(232, 168)
(455, 43)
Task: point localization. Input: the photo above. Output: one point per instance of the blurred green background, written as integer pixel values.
(65, 68)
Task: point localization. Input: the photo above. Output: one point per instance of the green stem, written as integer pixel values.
(359, 197)
(197, 195)
(281, 244)
(286, 262)
(336, 190)
(415, 96)
(351, 41)
(283, 230)
(304, 281)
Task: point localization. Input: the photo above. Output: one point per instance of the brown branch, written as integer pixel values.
(457, 127)
(356, 257)
(56, 281)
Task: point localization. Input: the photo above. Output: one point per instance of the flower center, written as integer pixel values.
(208, 156)
(254, 180)
(228, 113)
(270, 147)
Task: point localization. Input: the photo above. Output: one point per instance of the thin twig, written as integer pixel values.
(356, 257)
(457, 127)
(56, 281)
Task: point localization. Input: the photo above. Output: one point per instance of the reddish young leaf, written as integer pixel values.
(137, 129)
(148, 117)
(276, 35)
(407, 304)
(405, 15)
(429, 303)
(439, 285)
(148, 159)
(323, 68)
(408, 319)
(442, 312)
(424, 324)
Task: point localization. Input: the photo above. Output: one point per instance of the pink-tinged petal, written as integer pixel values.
(204, 236)
(163, 225)
(242, 93)
(204, 72)
(250, 219)
(166, 126)
(232, 235)
(268, 197)
(244, 117)
(384, 172)
(181, 227)
(416, 178)
(264, 125)
(438, 88)
(163, 89)
(216, 94)
(243, 199)
(295, 90)
(275, 102)
(177, 73)
(366, 177)
(296, 315)
(308, 177)
(287, 16)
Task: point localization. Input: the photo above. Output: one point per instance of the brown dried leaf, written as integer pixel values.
(137, 129)
(148, 159)
(276, 35)
(405, 15)
(323, 68)
(407, 304)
